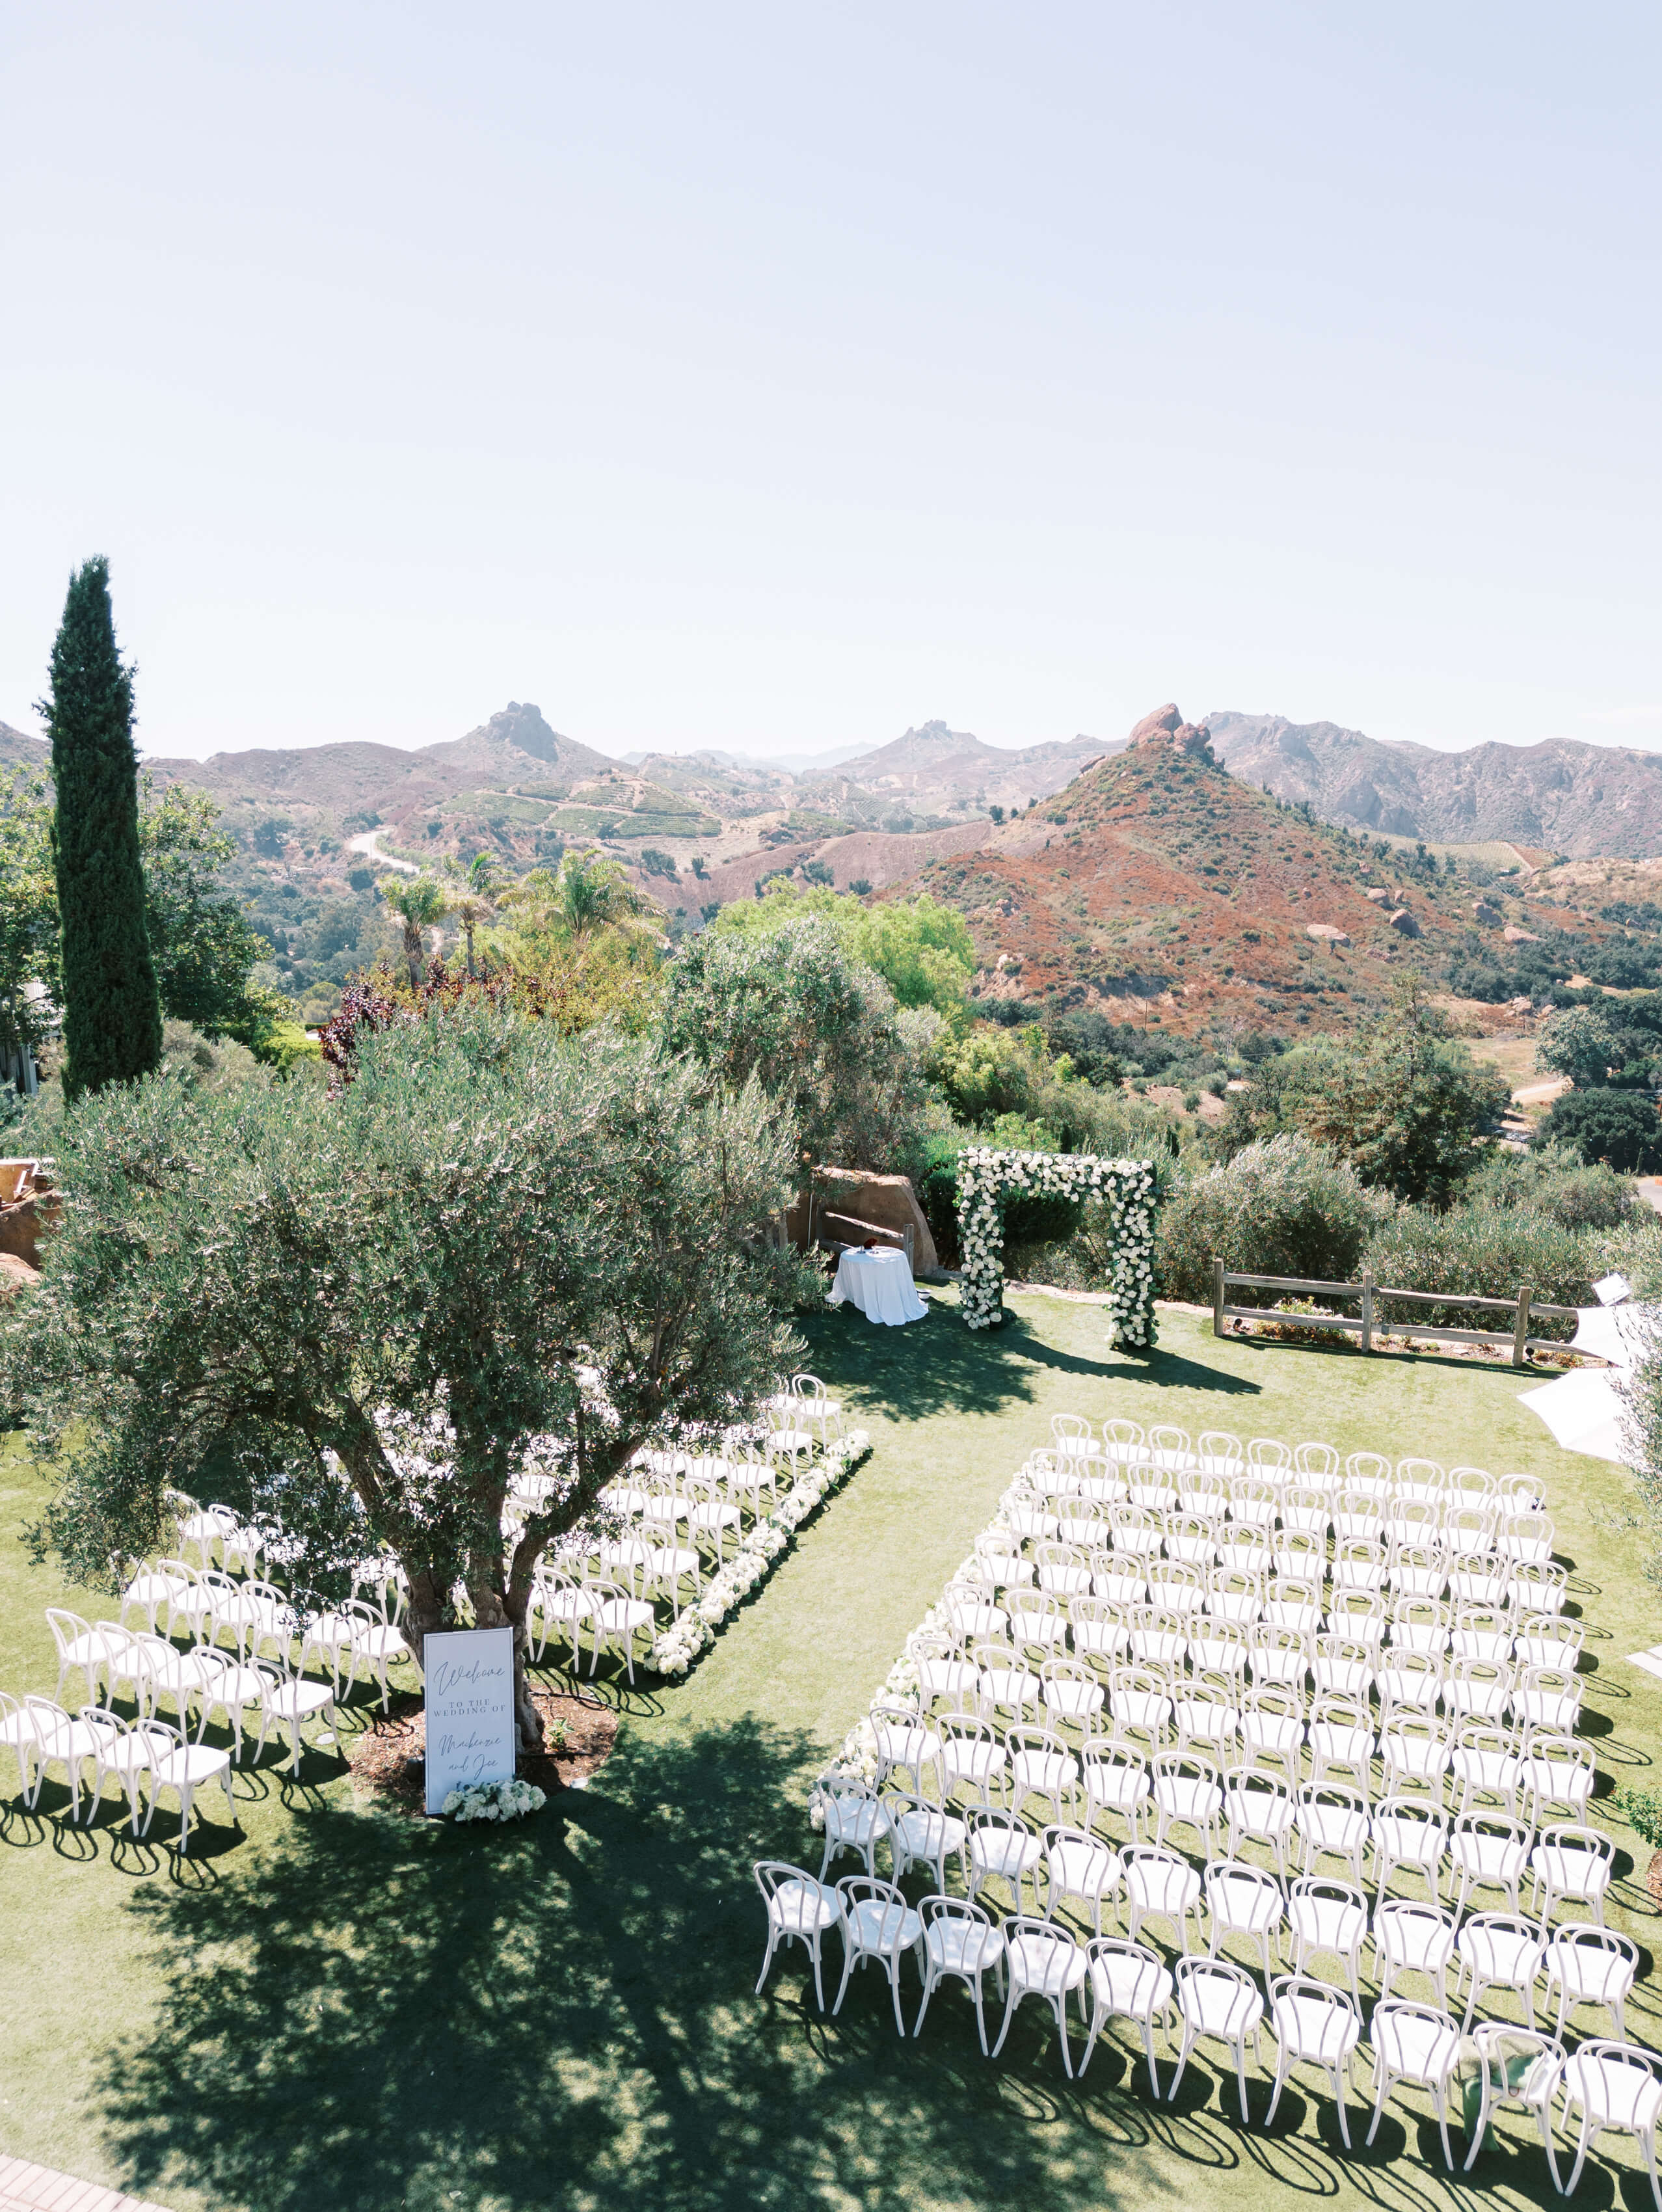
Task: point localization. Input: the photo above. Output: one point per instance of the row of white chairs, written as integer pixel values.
(1298, 1824)
(1300, 1522)
(1137, 1538)
(202, 1675)
(1220, 1451)
(42, 1735)
(1566, 1862)
(1229, 1900)
(1139, 1717)
(1245, 1583)
(1615, 2085)
(1094, 1638)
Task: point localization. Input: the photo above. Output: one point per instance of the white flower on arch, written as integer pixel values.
(986, 1176)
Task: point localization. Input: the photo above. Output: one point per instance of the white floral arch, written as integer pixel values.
(988, 1177)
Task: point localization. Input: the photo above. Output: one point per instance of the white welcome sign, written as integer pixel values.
(470, 1732)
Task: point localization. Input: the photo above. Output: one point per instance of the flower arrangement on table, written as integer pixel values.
(988, 1176)
(684, 1642)
(494, 1800)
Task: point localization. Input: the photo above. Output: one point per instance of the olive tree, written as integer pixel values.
(495, 1248)
(818, 1031)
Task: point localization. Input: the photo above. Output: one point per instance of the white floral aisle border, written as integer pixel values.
(683, 1643)
(988, 1176)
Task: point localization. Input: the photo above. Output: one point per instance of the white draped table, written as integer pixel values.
(880, 1283)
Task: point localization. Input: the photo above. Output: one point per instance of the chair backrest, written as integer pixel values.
(1316, 1458)
(937, 1907)
(1202, 1969)
(1418, 1814)
(1328, 1889)
(1217, 1444)
(1101, 1857)
(1334, 1796)
(1223, 1876)
(1268, 1455)
(1065, 1425)
(1574, 1836)
(1402, 1910)
(1301, 2009)
(1099, 1752)
(1587, 1936)
(1371, 1470)
(65, 1626)
(772, 1874)
(1184, 1766)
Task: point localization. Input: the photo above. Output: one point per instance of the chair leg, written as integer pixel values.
(768, 1957)
(1379, 2108)
(1010, 2004)
(1187, 2045)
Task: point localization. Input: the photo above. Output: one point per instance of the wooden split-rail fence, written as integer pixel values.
(1367, 1324)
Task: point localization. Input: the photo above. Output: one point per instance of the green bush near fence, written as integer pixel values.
(1282, 1207)
(1484, 1253)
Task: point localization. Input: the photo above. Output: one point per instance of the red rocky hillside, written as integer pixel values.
(1158, 888)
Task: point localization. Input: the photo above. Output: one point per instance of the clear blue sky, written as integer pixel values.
(775, 378)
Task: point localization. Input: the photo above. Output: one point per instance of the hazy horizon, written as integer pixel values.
(723, 379)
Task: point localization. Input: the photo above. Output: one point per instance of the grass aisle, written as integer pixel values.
(343, 2007)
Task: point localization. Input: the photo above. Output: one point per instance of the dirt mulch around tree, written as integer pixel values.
(389, 1758)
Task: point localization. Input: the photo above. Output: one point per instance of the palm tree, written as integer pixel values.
(475, 902)
(419, 904)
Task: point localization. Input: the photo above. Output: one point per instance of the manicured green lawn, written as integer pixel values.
(341, 2007)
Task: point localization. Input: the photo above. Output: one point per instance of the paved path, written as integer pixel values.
(27, 2188)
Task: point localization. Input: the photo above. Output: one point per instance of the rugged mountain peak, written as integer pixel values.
(523, 727)
(1166, 727)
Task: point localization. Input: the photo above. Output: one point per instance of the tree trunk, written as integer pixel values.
(413, 954)
(491, 1611)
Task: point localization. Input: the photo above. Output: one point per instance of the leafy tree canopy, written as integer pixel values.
(1406, 1106)
(923, 951)
(1620, 1127)
(203, 944)
(1579, 1043)
(819, 1033)
(365, 1315)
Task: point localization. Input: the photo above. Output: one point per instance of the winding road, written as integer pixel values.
(368, 844)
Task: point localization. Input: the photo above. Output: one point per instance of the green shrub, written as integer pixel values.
(1553, 1181)
(1620, 1127)
(1642, 1811)
(1282, 1207)
(1487, 1252)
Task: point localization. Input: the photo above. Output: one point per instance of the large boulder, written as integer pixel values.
(1166, 727)
(851, 1206)
(1403, 923)
(27, 1204)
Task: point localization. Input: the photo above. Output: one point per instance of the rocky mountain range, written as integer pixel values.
(1557, 798)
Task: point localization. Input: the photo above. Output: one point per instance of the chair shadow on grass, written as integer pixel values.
(382, 2012)
(940, 1366)
(378, 2011)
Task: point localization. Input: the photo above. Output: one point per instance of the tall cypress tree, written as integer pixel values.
(112, 1011)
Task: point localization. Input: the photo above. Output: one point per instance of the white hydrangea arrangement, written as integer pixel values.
(683, 1643)
(494, 1800)
(988, 1176)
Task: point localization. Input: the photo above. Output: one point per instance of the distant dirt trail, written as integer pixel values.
(369, 846)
